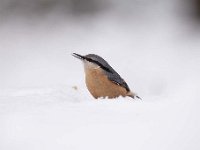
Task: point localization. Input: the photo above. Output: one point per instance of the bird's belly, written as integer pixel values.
(99, 85)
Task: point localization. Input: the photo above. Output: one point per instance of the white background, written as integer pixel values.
(157, 53)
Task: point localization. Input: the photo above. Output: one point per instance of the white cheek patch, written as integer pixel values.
(90, 65)
(97, 67)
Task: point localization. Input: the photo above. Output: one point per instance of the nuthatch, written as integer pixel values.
(102, 80)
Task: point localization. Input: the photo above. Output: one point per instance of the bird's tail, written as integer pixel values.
(133, 95)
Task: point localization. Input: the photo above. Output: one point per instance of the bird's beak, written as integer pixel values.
(78, 56)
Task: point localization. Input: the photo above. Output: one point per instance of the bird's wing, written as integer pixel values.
(115, 78)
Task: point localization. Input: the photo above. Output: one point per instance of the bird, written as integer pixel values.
(102, 80)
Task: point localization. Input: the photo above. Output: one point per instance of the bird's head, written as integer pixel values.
(88, 61)
(91, 61)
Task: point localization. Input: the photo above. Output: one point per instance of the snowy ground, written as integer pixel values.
(40, 108)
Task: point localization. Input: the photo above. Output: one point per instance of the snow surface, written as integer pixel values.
(44, 103)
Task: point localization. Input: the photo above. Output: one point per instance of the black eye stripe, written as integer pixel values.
(99, 64)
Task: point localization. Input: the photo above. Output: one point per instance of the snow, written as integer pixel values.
(63, 118)
(44, 103)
